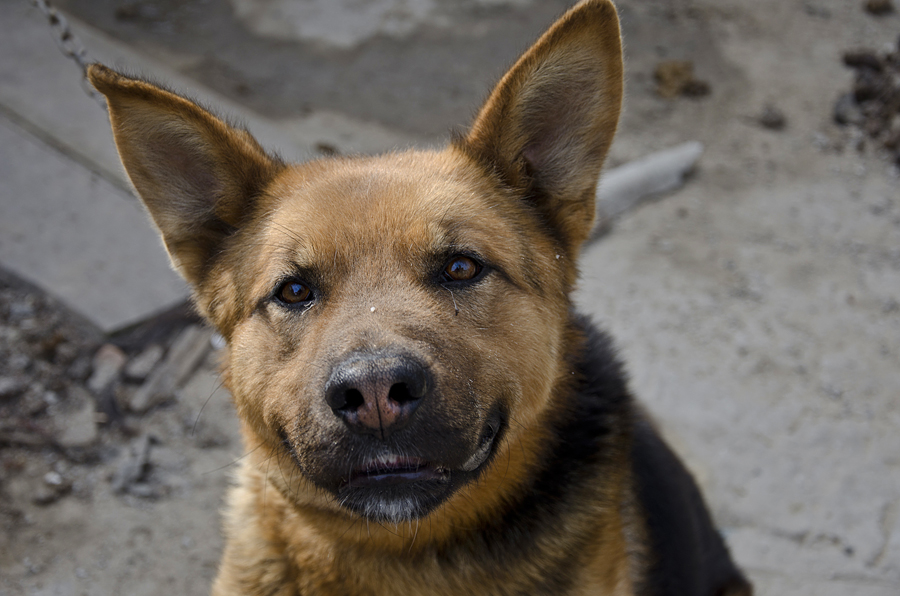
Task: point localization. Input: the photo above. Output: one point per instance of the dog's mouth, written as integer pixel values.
(396, 470)
(390, 469)
(395, 488)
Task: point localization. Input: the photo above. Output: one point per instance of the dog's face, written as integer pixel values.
(394, 323)
(377, 312)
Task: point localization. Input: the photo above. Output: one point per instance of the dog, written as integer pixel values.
(423, 411)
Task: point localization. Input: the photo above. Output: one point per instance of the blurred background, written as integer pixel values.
(757, 307)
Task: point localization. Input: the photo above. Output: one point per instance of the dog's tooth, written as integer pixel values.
(388, 460)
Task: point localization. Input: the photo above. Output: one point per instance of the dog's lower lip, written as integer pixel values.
(396, 471)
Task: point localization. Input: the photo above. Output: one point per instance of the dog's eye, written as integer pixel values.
(461, 268)
(293, 292)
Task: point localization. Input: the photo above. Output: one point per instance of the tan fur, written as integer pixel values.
(368, 232)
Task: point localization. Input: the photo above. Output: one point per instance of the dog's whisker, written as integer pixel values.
(508, 462)
(415, 535)
(233, 462)
(284, 247)
(455, 306)
(206, 401)
(388, 530)
(266, 476)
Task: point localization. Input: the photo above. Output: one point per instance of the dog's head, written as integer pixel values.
(396, 325)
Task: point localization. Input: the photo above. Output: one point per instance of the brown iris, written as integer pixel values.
(294, 292)
(461, 268)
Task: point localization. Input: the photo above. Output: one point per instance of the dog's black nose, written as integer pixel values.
(377, 393)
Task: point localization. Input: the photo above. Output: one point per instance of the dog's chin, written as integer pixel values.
(394, 489)
(394, 497)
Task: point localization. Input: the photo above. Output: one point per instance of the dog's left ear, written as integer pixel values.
(547, 126)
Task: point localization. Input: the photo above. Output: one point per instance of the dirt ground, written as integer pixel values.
(758, 308)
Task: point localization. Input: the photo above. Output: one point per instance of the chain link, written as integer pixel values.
(70, 46)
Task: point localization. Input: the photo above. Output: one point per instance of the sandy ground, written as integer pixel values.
(757, 308)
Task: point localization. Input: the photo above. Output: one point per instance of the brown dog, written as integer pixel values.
(423, 412)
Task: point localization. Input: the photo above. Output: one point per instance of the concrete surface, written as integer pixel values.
(758, 309)
(67, 220)
(424, 82)
(78, 236)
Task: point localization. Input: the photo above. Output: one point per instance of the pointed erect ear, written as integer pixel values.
(546, 127)
(197, 175)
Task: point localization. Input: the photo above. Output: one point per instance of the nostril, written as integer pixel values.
(400, 394)
(353, 400)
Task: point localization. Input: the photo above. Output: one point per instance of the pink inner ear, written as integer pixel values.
(540, 153)
(550, 150)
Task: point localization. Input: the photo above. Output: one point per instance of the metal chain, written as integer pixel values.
(70, 46)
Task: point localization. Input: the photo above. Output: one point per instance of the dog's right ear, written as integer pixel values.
(197, 175)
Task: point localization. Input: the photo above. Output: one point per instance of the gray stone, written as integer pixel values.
(106, 365)
(80, 128)
(19, 362)
(77, 423)
(186, 353)
(879, 7)
(623, 188)
(51, 398)
(846, 110)
(80, 369)
(21, 310)
(134, 465)
(53, 478)
(55, 486)
(772, 118)
(11, 387)
(157, 389)
(140, 367)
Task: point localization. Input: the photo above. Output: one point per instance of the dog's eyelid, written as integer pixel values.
(291, 271)
(459, 250)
